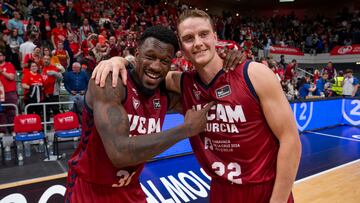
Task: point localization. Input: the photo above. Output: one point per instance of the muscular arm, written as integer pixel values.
(172, 80)
(280, 118)
(175, 104)
(111, 121)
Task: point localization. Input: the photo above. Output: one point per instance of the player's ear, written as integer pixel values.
(215, 36)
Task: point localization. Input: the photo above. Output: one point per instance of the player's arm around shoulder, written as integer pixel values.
(110, 117)
(279, 117)
(173, 81)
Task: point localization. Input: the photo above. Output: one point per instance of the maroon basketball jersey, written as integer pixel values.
(90, 161)
(237, 146)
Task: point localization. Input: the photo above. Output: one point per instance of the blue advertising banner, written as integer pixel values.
(350, 109)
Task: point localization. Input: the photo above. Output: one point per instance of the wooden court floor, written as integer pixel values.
(338, 185)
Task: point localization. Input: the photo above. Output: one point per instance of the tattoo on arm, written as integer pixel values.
(112, 123)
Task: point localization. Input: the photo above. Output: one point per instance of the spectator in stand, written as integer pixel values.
(62, 55)
(85, 30)
(290, 70)
(330, 70)
(52, 80)
(46, 52)
(74, 49)
(46, 25)
(7, 78)
(32, 83)
(351, 84)
(115, 49)
(292, 93)
(180, 63)
(267, 45)
(27, 47)
(338, 82)
(16, 23)
(71, 31)
(321, 87)
(101, 51)
(31, 26)
(282, 61)
(70, 15)
(316, 75)
(15, 38)
(36, 57)
(305, 88)
(58, 34)
(13, 55)
(76, 82)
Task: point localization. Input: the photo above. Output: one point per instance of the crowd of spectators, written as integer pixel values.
(50, 43)
(298, 83)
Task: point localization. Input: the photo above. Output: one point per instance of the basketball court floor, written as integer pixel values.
(329, 172)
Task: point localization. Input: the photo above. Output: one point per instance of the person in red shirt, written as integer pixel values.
(290, 69)
(7, 78)
(74, 46)
(58, 34)
(114, 48)
(32, 83)
(52, 80)
(34, 56)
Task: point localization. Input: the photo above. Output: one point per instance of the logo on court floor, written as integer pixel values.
(351, 111)
(303, 114)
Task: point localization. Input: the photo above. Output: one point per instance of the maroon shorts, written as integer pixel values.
(233, 193)
(81, 191)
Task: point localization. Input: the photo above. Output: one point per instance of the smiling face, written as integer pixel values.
(198, 40)
(153, 62)
(33, 67)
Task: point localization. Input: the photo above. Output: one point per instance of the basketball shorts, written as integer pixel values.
(80, 191)
(232, 193)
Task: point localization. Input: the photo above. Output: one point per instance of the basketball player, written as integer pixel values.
(121, 127)
(251, 145)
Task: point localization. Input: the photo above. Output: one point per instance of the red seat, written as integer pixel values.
(66, 125)
(28, 128)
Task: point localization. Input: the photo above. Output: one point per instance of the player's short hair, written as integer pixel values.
(162, 34)
(195, 13)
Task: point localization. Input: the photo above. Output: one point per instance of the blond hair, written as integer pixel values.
(195, 13)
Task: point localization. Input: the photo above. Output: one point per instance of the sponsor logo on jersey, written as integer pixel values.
(136, 103)
(208, 143)
(223, 91)
(140, 125)
(223, 118)
(197, 94)
(156, 103)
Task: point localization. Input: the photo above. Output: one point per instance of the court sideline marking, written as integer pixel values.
(326, 171)
(333, 136)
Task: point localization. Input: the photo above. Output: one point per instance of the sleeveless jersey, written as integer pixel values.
(90, 161)
(237, 146)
